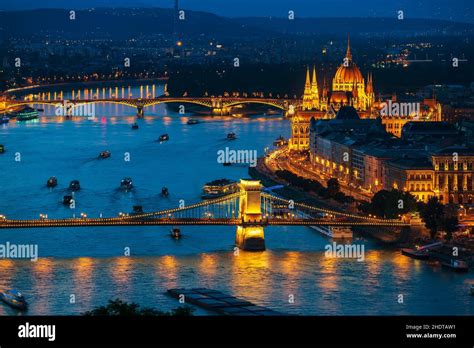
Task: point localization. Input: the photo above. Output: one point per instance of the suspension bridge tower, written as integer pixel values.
(249, 234)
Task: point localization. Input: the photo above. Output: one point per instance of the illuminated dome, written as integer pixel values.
(349, 74)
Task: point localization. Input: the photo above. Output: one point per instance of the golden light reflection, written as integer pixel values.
(403, 264)
(121, 268)
(291, 268)
(250, 276)
(290, 263)
(373, 261)
(83, 269)
(328, 279)
(42, 274)
(167, 269)
(43, 267)
(7, 268)
(167, 120)
(208, 265)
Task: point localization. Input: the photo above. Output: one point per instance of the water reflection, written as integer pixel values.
(167, 270)
(251, 275)
(83, 269)
(42, 274)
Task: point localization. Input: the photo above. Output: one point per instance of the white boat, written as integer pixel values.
(14, 299)
(341, 232)
(335, 232)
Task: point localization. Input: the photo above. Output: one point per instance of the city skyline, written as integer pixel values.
(289, 161)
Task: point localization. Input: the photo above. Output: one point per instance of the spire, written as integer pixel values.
(307, 97)
(348, 52)
(370, 86)
(308, 81)
(314, 89)
(325, 89)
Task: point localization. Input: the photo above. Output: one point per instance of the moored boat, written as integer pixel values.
(218, 188)
(104, 154)
(423, 252)
(231, 136)
(67, 200)
(75, 185)
(135, 126)
(175, 233)
(137, 209)
(164, 137)
(455, 265)
(52, 182)
(2, 148)
(126, 184)
(165, 192)
(26, 114)
(14, 299)
(192, 121)
(416, 254)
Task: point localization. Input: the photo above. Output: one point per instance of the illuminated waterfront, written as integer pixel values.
(89, 262)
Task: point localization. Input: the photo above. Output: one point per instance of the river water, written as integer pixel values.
(89, 263)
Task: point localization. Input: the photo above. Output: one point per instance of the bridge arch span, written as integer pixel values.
(261, 102)
(181, 101)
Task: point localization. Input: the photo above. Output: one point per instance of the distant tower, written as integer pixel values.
(314, 90)
(307, 95)
(370, 91)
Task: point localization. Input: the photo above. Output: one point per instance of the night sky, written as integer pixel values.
(456, 10)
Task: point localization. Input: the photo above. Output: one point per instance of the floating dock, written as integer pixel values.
(221, 303)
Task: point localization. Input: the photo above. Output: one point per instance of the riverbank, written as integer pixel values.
(389, 237)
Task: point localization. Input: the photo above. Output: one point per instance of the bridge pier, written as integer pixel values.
(249, 235)
(250, 238)
(140, 112)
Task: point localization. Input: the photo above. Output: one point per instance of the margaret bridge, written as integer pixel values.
(218, 105)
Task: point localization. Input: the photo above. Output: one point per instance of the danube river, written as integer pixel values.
(89, 263)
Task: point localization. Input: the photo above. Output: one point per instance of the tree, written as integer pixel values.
(449, 225)
(432, 213)
(390, 204)
(118, 307)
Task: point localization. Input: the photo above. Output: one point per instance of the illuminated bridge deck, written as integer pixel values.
(46, 223)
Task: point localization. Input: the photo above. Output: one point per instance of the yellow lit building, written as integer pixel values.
(349, 88)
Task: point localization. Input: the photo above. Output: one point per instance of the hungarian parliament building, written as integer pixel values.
(349, 88)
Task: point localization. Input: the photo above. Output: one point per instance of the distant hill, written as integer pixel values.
(370, 25)
(126, 23)
(117, 23)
